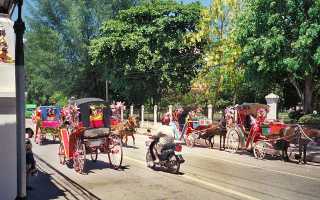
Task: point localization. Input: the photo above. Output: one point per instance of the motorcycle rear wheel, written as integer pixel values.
(174, 164)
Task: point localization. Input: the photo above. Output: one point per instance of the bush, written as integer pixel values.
(310, 119)
(296, 114)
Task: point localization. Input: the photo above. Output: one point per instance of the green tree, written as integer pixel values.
(58, 35)
(143, 50)
(220, 77)
(281, 43)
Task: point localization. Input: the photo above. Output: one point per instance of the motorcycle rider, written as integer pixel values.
(165, 134)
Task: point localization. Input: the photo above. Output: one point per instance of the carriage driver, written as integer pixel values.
(165, 134)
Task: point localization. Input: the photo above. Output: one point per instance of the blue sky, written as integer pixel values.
(204, 2)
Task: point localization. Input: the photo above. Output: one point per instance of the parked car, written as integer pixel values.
(29, 110)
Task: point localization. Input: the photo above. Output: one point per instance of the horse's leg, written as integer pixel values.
(284, 151)
(220, 142)
(134, 143)
(305, 153)
(126, 139)
(210, 141)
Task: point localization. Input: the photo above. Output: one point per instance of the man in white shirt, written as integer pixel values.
(165, 134)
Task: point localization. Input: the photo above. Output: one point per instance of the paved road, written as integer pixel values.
(207, 174)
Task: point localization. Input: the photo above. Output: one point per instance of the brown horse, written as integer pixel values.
(301, 136)
(128, 129)
(212, 130)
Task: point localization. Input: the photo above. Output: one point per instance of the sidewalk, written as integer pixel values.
(52, 184)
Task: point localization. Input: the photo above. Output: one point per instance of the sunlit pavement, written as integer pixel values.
(206, 174)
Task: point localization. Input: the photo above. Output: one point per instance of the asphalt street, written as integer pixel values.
(206, 174)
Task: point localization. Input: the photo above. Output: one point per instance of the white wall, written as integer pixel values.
(8, 147)
(8, 151)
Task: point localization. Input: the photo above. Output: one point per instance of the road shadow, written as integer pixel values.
(130, 147)
(123, 168)
(43, 187)
(48, 186)
(47, 142)
(100, 165)
(165, 170)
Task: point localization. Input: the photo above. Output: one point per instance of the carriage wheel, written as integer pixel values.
(94, 155)
(233, 141)
(79, 157)
(62, 156)
(260, 150)
(115, 151)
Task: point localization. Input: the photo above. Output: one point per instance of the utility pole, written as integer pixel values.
(19, 28)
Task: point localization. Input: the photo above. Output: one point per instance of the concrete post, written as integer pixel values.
(131, 110)
(142, 115)
(210, 112)
(272, 101)
(170, 112)
(155, 113)
(121, 113)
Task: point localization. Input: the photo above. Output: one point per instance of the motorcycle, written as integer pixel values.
(170, 156)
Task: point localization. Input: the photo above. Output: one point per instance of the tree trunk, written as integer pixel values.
(296, 86)
(307, 104)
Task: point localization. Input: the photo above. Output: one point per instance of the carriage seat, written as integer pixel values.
(96, 133)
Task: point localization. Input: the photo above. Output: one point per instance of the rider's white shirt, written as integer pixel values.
(166, 133)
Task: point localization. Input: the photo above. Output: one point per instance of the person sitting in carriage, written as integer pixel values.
(256, 129)
(51, 116)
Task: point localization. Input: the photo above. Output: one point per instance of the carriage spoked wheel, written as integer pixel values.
(233, 141)
(115, 151)
(62, 156)
(94, 154)
(79, 157)
(260, 150)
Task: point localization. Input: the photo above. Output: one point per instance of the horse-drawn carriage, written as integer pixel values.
(192, 126)
(249, 129)
(87, 131)
(48, 121)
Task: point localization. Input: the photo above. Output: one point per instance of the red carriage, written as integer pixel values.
(191, 126)
(249, 129)
(48, 121)
(87, 131)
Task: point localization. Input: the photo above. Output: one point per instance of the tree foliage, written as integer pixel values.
(219, 79)
(58, 35)
(143, 50)
(280, 41)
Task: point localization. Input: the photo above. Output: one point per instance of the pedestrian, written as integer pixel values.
(30, 162)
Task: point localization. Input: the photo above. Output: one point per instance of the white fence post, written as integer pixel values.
(210, 112)
(272, 101)
(121, 113)
(170, 112)
(155, 112)
(131, 110)
(142, 115)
